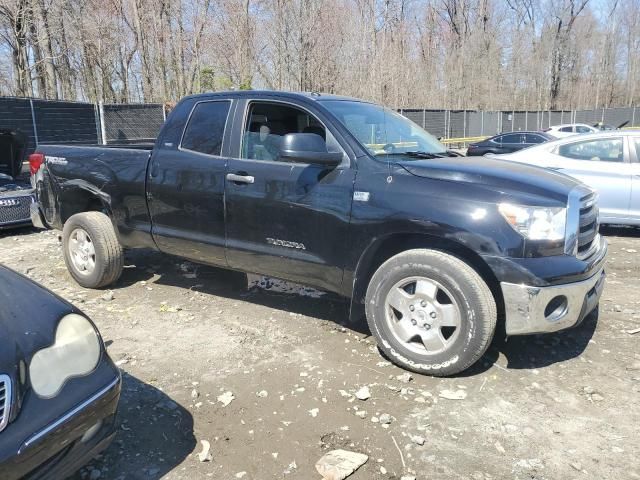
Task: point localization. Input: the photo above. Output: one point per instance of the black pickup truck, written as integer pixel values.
(345, 196)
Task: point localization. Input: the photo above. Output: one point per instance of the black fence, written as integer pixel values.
(456, 124)
(45, 121)
(131, 123)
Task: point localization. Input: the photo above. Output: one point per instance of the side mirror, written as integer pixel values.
(308, 148)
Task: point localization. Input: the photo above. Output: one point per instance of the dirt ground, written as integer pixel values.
(561, 406)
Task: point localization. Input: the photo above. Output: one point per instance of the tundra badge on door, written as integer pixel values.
(286, 243)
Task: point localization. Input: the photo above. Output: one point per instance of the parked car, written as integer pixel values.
(604, 126)
(15, 202)
(59, 390)
(15, 194)
(345, 196)
(609, 162)
(568, 129)
(507, 143)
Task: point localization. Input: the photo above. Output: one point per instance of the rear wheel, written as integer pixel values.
(430, 312)
(91, 249)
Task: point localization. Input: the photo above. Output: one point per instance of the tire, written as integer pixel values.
(450, 313)
(100, 253)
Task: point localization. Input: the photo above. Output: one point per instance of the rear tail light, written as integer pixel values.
(35, 162)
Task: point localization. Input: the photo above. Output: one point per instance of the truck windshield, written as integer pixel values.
(385, 132)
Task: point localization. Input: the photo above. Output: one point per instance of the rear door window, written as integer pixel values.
(601, 150)
(583, 129)
(512, 138)
(205, 129)
(533, 138)
(567, 129)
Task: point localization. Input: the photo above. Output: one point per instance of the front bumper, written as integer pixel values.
(69, 442)
(530, 309)
(14, 210)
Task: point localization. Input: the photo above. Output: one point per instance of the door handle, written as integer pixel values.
(240, 178)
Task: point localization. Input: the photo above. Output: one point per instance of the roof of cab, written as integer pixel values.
(277, 93)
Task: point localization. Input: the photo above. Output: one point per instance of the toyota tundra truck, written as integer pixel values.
(437, 250)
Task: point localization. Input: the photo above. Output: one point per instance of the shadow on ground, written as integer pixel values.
(144, 265)
(620, 231)
(537, 351)
(155, 435)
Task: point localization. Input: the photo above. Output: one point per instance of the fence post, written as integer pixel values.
(633, 117)
(164, 112)
(481, 123)
(33, 121)
(424, 119)
(103, 129)
(464, 123)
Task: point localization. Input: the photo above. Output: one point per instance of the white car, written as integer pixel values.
(609, 162)
(568, 129)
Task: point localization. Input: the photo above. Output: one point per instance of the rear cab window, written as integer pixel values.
(205, 129)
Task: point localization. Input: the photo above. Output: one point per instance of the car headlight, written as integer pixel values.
(75, 352)
(536, 223)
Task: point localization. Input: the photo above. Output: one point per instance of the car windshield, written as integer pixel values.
(385, 132)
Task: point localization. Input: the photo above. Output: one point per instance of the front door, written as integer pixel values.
(186, 187)
(287, 220)
(603, 164)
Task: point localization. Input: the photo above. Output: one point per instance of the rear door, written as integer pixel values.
(531, 139)
(186, 186)
(604, 165)
(512, 142)
(287, 220)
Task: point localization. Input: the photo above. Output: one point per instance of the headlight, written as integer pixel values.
(536, 223)
(75, 352)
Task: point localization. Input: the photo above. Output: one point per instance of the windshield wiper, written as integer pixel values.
(419, 154)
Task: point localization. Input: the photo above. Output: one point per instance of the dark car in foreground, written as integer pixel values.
(59, 390)
(507, 143)
(342, 195)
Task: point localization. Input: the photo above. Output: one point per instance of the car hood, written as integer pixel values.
(12, 147)
(9, 185)
(506, 176)
(29, 315)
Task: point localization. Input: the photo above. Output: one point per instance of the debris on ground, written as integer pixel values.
(339, 464)
(204, 455)
(453, 394)
(226, 398)
(363, 393)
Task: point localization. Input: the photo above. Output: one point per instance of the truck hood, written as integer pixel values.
(502, 175)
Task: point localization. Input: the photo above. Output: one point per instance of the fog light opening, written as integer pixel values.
(556, 308)
(89, 434)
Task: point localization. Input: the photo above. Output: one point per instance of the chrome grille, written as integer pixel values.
(589, 224)
(5, 400)
(15, 209)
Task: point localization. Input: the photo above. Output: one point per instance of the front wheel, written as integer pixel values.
(92, 253)
(430, 312)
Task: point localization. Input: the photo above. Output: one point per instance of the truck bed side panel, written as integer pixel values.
(111, 179)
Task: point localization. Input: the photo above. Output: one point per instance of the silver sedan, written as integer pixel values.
(609, 162)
